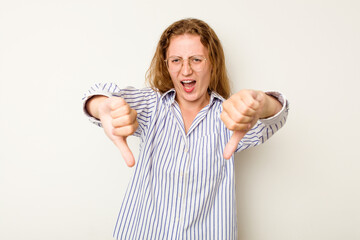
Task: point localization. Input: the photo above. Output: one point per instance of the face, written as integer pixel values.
(191, 86)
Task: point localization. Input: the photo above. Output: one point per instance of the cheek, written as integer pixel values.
(207, 74)
(173, 78)
(207, 78)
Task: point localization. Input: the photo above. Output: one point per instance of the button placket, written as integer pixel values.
(184, 176)
(183, 181)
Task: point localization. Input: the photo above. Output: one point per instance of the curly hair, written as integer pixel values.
(158, 76)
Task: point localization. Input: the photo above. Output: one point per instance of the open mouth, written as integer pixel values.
(189, 85)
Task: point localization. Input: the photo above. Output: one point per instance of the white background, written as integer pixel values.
(60, 178)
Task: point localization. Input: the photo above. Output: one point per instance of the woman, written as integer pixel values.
(183, 186)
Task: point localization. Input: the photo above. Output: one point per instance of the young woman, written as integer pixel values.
(189, 125)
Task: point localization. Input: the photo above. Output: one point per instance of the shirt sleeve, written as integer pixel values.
(265, 128)
(142, 100)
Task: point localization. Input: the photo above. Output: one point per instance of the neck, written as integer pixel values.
(189, 110)
(193, 106)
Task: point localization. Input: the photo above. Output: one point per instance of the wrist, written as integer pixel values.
(93, 105)
(271, 106)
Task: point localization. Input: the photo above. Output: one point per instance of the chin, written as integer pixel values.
(193, 97)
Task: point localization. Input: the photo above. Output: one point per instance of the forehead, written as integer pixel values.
(186, 45)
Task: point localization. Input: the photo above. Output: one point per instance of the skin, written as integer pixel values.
(240, 112)
(118, 121)
(185, 46)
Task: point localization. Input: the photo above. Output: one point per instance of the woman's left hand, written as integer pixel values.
(241, 112)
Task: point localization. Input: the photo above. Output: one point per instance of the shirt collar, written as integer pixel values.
(169, 97)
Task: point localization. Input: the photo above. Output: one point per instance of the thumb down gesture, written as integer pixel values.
(240, 113)
(119, 122)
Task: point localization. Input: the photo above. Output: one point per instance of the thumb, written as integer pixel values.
(233, 143)
(126, 153)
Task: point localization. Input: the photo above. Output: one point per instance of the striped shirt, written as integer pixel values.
(182, 187)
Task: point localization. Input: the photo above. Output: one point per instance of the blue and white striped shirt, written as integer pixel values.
(182, 187)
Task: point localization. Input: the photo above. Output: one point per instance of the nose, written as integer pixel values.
(186, 68)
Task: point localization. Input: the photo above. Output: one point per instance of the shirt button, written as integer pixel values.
(181, 174)
(186, 149)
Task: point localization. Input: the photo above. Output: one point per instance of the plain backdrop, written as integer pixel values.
(62, 179)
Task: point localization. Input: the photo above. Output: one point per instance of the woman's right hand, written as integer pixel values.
(118, 121)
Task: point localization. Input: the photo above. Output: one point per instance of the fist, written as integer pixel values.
(242, 110)
(123, 117)
(240, 113)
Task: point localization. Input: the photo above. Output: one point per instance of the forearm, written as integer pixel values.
(92, 105)
(271, 107)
